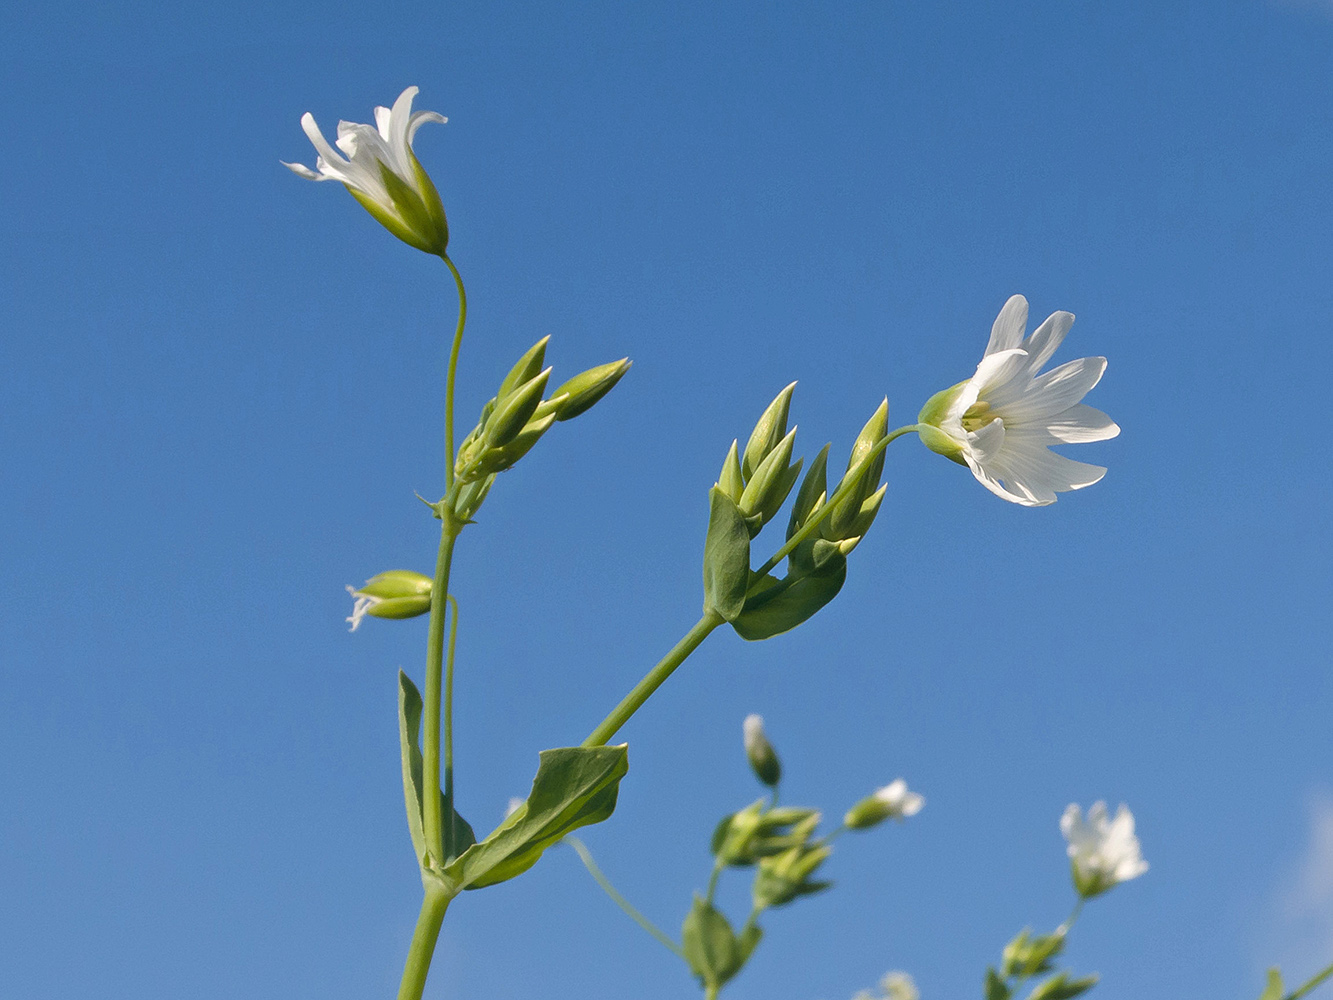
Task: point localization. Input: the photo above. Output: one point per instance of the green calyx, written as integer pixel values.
(931, 420)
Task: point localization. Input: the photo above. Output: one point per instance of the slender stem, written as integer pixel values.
(711, 992)
(653, 680)
(448, 727)
(1322, 977)
(423, 944)
(432, 811)
(848, 484)
(1073, 915)
(712, 880)
(586, 856)
(453, 371)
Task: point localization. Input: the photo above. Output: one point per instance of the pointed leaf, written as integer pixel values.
(996, 989)
(1275, 990)
(574, 787)
(709, 944)
(458, 835)
(726, 557)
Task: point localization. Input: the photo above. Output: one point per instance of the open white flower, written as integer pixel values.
(1103, 852)
(1001, 422)
(382, 172)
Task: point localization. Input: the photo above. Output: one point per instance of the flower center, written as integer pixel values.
(977, 416)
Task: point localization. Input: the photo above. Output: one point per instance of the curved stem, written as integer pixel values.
(817, 518)
(653, 680)
(423, 944)
(712, 881)
(586, 857)
(1316, 981)
(453, 371)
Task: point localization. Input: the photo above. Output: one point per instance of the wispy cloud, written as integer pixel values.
(1305, 903)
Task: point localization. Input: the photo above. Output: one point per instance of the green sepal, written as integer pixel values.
(771, 428)
(813, 487)
(397, 583)
(391, 222)
(996, 988)
(780, 605)
(431, 199)
(726, 557)
(711, 947)
(772, 888)
(1274, 990)
(400, 607)
(574, 787)
(525, 368)
(586, 389)
(941, 444)
(1061, 987)
(729, 480)
(458, 835)
(500, 459)
(937, 406)
(514, 409)
(471, 497)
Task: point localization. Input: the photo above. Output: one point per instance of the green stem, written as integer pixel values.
(711, 992)
(423, 944)
(453, 371)
(712, 880)
(1322, 977)
(432, 808)
(586, 856)
(653, 680)
(848, 484)
(448, 727)
(1073, 915)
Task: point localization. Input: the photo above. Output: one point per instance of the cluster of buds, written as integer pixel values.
(517, 416)
(1031, 955)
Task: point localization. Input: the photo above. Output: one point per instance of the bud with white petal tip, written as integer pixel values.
(395, 593)
(893, 801)
(763, 758)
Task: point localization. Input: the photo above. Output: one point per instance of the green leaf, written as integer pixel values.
(1274, 990)
(751, 935)
(781, 605)
(711, 947)
(458, 835)
(996, 988)
(1061, 987)
(574, 787)
(726, 557)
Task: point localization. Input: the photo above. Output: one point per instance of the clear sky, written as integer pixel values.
(220, 386)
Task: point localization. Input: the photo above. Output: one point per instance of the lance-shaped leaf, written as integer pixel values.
(1275, 990)
(726, 557)
(458, 835)
(574, 786)
(780, 605)
(1061, 987)
(996, 988)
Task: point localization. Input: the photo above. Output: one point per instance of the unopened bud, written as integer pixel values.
(768, 488)
(513, 411)
(525, 368)
(771, 428)
(396, 593)
(729, 480)
(587, 388)
(763, 758)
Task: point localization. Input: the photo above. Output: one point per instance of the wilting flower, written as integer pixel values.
(1103, 852)
(382, 172)
(893, 801)
(763, 758)
(397, 593)
(1001, 422)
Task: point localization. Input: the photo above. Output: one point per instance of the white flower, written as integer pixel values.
(1103, 852)
(361, 603)
(382, 172)
(898, 986)
(1001, 422)
(893, 801)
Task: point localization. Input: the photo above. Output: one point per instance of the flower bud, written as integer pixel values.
(525, 368)
(893, 801)
(514, 410)
(763, 758)
(767, 489)
(771, 428)
(1061, 987)
(587, 389)
(729, 480)
(1026, 955)
(396, 593)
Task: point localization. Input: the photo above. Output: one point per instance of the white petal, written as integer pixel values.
(1046, 338)
(303, 171)
(1082, 423)
(420, 118)
(396, 138)
(985, 444)
(1052, 393)
(991, 483)
(999, 370)
(1009, 326)
(1029, 467)
(320, 143)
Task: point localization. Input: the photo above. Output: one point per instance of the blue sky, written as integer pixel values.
(220, 386)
